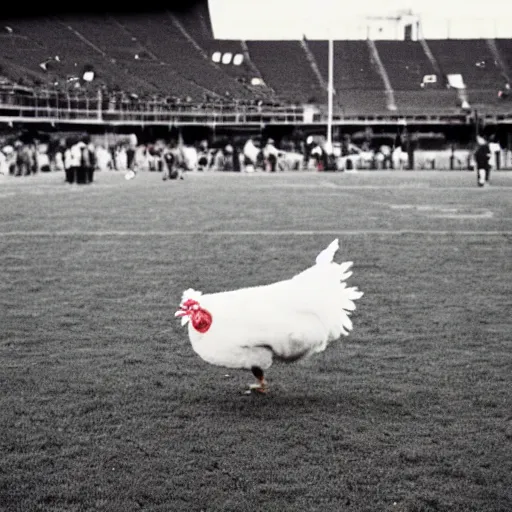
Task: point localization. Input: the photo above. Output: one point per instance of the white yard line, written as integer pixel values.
(340, 232)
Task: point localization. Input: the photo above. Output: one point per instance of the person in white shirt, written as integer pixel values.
(4, 169)
(130, 152)
(75, 162)
(270, 153)
(43, 162)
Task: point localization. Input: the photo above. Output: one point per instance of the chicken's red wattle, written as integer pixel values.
(201, 318)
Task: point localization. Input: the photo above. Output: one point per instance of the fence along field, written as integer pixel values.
(106, 407)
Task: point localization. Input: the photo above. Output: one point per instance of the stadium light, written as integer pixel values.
(226, 58)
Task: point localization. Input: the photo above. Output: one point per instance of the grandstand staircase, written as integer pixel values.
(173, 71)
(314, 66)
(142, 47)
(198, 47)
(441, 73)
(430, 57)
(390, 95)
(202, 52)
(111, 63)
(188, 37)
(83, 38)
(491, 43)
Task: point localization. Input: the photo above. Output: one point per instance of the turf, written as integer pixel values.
(105, 407)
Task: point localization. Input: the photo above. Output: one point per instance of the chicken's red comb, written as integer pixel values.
(187, 307)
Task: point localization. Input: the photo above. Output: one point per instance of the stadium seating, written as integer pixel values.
(352, 65)
(54, 35)
(196, 21)
(487, 99)
(469, 57)
(158, 35)
(56, 53)
(175, 54)
(433, 101)
(107, 35)
(505, 49)
(285, 68)
(157, 73)
(405, 62)
(219, 48)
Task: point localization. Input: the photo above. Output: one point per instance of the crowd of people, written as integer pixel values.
(80, 156)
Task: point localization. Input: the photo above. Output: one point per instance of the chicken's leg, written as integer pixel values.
(261, 386)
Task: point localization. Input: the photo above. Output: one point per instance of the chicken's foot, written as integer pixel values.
(261, 386)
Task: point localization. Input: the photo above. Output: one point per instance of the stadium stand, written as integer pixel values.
(285, 68)
(353, 102)
(357, 83)
(106, 34)
(434, 101)
(504, 46)
(174, 54)
(353, 66)
(159, 34)
(57, 54)
(196, 21)
(469, 57)
(405, 62)
(223, 53)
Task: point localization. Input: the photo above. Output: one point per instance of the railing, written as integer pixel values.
(57, 107)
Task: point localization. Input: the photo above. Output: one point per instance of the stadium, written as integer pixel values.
(367, 133)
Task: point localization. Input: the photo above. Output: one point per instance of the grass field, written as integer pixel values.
(105, 407)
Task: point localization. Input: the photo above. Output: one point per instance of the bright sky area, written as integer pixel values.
(291, 19)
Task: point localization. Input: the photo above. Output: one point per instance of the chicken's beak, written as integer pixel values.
(184, 314)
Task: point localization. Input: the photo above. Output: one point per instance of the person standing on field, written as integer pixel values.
(482, 161)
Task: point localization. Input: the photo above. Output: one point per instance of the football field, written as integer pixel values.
(105, 406)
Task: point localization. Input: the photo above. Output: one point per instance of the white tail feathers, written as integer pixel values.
(344, 273)
(346, 323)
(354, 293)
(327, 255)
(349, 296)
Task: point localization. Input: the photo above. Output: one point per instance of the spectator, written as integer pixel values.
(482, 160)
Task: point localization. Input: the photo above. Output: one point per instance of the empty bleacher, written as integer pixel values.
(196, 20)
(353, 65)
(171, 53)
(57, 53)
(434, 101)
(505, 48)
(53, 35)
(220, 48)
(471, 58)
(488, 100)
(405, 62)
(285, 68)
(353, 102)
(156, 74)
(161, 37)
(105, 33)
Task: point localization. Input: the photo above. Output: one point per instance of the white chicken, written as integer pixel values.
(286, 321)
